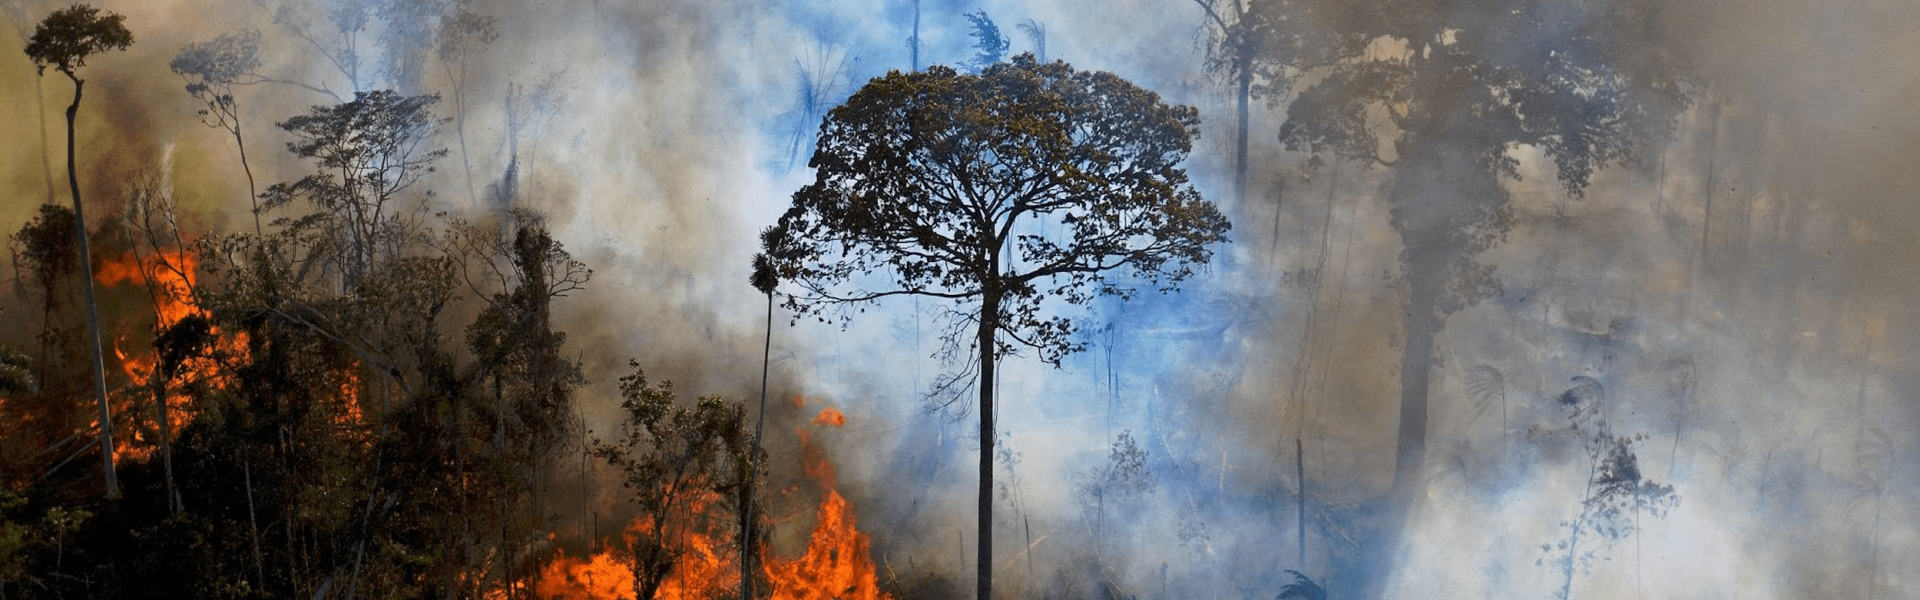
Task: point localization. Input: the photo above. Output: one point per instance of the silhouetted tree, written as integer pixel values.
(913, 40)
(1302, 588)
(819, 84)
(1124, 477)
(1261, 46)
(1615, 492)
(462, 34)
(1007, 192)
(988, 44)
(367, 153)
(765, 281)
(64, 40)
(211, 69)
(1036, 33)
(1453, 91)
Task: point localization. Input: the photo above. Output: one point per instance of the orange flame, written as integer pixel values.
(837, 564)
(601, 576)
(829, 416)
(171, 272)
(171, 275)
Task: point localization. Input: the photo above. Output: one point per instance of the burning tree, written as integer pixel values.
(674, 461)
(1009, 193)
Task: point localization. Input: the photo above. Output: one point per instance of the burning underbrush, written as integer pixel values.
(703, 539)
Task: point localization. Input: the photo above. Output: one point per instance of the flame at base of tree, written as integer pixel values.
(837, 564)
(704, 572)
(169, 276)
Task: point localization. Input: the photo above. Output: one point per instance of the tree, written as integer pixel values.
(462, 35)
(1036, 33)
(988, 44)
(1262, 46)
(1444, 94)
(1010, 193)
(64, 40)
(368, 152)
(1615, 491)
(1101, 490)
(211, 69)
(765, 281)
(673, 459)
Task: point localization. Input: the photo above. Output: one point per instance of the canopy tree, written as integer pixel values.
(1446, 95)
(64, 40)
(1262, 46)
(1010, 193)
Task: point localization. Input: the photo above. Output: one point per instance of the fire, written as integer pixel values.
(600, 576)
(703, 572)
(837, 564)
(831, 417)
(170, 276)
(170, 272)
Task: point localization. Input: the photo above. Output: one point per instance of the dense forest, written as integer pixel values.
(944, 298)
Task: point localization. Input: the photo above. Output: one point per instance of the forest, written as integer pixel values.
(930, 299)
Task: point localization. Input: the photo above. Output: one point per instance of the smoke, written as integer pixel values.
(1738, 296)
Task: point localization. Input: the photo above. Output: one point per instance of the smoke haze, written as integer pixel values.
(1738, 297)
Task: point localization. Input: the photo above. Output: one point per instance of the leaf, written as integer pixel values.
(1485, 387)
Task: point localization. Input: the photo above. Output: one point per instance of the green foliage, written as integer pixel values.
(674, 458)
(67, 37)
(46, 258)
(1024, 183)
(34, 541)
(16, 373)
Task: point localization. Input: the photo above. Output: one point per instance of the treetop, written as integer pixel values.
(1026, 181)
(68, 36)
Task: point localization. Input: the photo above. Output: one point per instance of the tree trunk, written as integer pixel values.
(253, 193)
(159, 380)
(93, 312)
(1240, 142)
(753, 468)
(989, 323)
(1447, 208)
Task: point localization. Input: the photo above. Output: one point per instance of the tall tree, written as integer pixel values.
(462, 35)
(1010, 193)
(64, 40)
(211, 69)
(369, 152)
(766, 281)
(1261, 46)
(1444, 94)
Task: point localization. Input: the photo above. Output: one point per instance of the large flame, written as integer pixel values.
(169, 276)
(837, 564)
